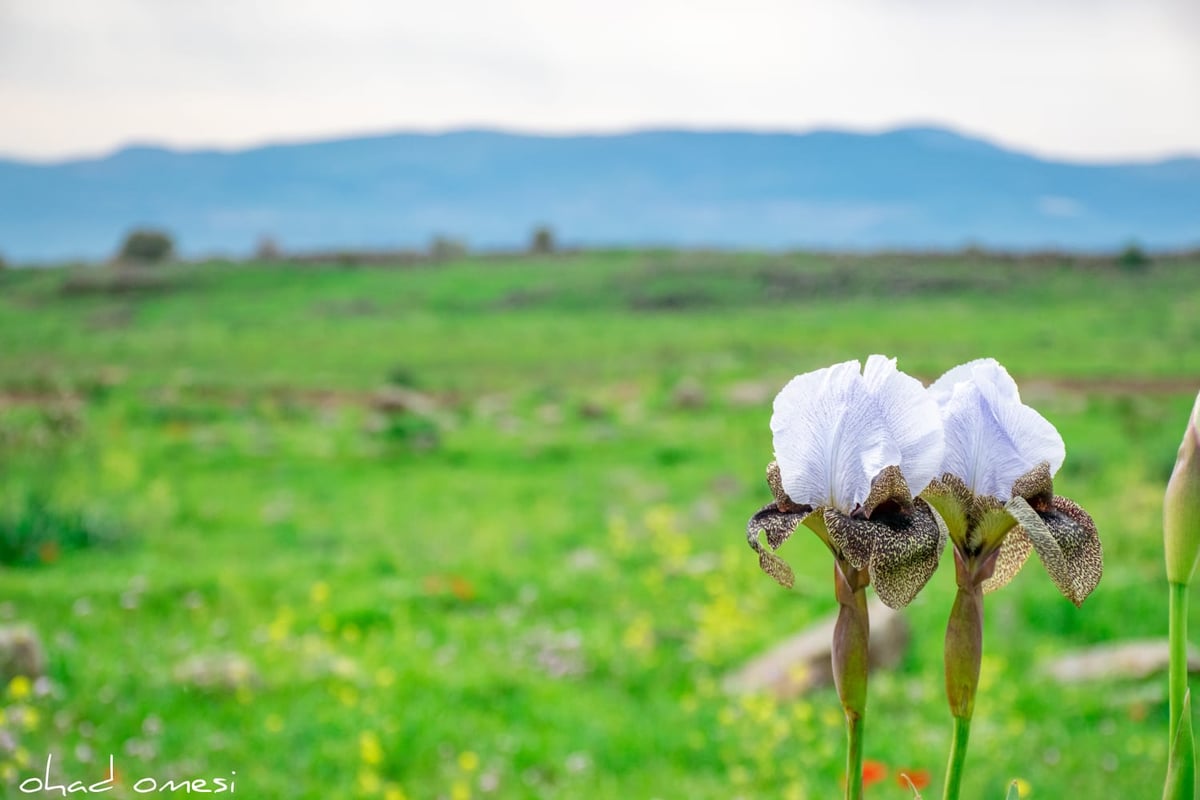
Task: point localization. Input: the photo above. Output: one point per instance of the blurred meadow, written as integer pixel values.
(475, 528)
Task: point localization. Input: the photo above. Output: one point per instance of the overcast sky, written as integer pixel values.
(1082, 79)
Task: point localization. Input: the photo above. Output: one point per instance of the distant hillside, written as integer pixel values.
(915, 187)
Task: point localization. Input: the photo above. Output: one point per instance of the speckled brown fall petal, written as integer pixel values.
(888, 487)
(906, 556)
(1036, 486)
(1013, 553)
(778, 526)
(777, 568)
(852, 537)
(901, 548)
(1065, 538)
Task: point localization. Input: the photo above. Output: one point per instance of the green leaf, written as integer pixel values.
(1014, 792)
(1181, 766)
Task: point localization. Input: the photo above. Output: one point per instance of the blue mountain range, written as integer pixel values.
(907, 188)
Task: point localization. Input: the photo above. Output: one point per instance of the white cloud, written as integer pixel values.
(1099, 79)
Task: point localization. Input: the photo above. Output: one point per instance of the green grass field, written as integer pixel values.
(475, 530)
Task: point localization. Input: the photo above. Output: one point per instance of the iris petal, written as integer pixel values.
(853, 538)
(992, 439)
(778, 526)
(1013, 553)
(911, 417)
(953, 502)
(980, 371)
(900, 549)
(1064, 536)
(830, 438)
(905, 560)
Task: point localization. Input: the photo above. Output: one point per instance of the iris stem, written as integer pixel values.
(964, 656)
(851, 635)
(958, 758)
(854, 756)
(1178, 678)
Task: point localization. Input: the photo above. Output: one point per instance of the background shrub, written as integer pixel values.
(147, 246)
(542, 241)
(38, 533)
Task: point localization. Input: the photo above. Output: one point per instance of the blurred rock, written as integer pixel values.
(726, 485)
(1133, 660)
(751, 393)
(395, 399)
(549, 414)
(689, 393)
(21, 653)
(217, 672)
(803, 662)
(590, 409)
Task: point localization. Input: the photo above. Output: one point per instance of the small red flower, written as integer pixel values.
(919, 778)
(462, 588)
(49, 552)
(873, 772)
(441, 585)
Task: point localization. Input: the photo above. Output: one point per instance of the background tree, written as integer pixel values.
(447, 248)
(542, 242)
(267, 249)
(146, 246)
(1133, 258)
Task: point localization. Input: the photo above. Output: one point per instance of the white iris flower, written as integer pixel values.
(853, 445)
(996, 492)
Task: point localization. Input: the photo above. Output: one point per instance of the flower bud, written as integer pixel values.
(1181, 506)
(851, 634)
(964, 643)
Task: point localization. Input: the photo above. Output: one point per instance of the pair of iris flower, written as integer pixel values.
(885, 470)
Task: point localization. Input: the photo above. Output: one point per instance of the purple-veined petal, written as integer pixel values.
(992, 439)
(982, 371)
(978, 448)
(1035, 437)
(912, 418)
(830, 438)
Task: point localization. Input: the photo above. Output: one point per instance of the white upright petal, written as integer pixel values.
(830, 439)
(1036, 437)
(991, 437)
(912, 419)
(981, 371)
(978, 449)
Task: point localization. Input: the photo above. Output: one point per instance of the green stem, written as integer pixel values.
(1179, 667)
(854, 756)
(958, 758)
(851, 634)
(964, 656)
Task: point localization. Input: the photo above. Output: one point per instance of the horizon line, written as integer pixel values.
(302, 140)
